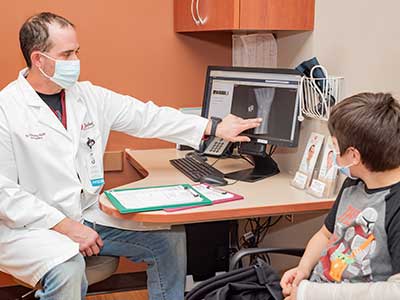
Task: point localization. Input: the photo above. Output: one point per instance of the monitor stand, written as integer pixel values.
(263, 167)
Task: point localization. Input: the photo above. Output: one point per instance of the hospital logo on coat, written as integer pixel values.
(87, 125)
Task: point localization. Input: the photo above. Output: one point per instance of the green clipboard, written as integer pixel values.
(112, 196)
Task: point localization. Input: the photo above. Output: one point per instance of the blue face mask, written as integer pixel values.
(66, 72)
(345, 169)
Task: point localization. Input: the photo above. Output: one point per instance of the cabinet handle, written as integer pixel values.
(201, 20)
(197, 22)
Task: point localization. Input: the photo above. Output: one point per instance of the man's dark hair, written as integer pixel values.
(370, 123)
(34, 33)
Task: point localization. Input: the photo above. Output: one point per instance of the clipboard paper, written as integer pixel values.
(216, 195)
(152, 198)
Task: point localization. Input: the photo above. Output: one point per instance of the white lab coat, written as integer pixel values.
(40, 162)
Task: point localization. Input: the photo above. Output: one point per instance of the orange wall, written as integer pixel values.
(128, 46)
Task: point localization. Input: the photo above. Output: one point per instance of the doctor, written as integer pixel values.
(53, 133)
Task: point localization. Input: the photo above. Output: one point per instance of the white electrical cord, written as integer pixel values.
(323, 99)
(300, 96)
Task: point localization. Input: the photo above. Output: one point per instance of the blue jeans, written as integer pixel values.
(64, 281)
(164, 252)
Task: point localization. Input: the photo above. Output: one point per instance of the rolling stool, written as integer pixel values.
(98, 268)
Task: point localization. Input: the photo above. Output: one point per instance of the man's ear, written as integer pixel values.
(36, 59)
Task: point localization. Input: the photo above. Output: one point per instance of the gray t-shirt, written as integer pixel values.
(365, 242)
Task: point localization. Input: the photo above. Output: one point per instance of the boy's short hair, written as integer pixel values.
(370, 123)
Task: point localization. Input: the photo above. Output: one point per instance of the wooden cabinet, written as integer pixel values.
(203, 15)
(212, 15)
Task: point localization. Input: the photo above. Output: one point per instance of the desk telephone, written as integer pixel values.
(216, 146)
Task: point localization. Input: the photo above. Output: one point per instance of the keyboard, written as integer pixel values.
(195, 167)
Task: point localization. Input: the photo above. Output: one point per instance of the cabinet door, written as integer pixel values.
(277, 14)
(203, 15)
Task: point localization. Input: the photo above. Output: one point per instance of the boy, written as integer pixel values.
(360, 240)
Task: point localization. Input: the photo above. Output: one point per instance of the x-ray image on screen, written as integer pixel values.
(244, 103)
(264, 97)
(253, 102)
(274, 105)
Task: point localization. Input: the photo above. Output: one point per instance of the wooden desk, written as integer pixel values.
(271, 196)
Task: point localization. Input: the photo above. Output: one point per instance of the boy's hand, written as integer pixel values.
(293, 294)
(291, 279)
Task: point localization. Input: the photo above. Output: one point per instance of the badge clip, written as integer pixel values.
(90, 142)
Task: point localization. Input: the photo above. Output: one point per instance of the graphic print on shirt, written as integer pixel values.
(351, 246)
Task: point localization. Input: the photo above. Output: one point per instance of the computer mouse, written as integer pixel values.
(213, 180)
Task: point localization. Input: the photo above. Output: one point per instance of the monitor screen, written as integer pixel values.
(271, 94)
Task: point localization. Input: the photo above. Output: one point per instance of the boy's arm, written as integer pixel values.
(310, 258)
(392, 221)
(313, 251)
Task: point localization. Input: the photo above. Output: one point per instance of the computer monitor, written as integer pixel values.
(271, 94)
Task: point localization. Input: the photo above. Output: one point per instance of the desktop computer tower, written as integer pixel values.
(207, 249)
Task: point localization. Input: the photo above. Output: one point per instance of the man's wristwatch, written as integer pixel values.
(214, 123)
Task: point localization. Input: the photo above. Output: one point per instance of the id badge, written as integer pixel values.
(94, 165)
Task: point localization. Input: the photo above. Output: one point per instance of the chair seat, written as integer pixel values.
(98, 268)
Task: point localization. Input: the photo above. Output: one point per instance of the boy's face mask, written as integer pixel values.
(66, 72)
(342, 169)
